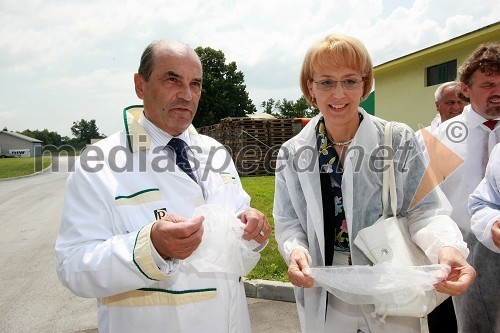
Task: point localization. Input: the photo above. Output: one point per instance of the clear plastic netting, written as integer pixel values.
(223, 248)
(395, 286)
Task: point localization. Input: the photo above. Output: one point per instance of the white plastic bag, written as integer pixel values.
(223, 248)
(388, 242)
(383, 285)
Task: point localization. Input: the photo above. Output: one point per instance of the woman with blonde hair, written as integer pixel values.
(327, 189)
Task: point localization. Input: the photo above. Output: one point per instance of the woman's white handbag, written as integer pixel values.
(388, 241)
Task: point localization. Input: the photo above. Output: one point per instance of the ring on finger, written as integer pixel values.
(261, 233)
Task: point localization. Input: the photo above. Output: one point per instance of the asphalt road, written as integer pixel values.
(31, 297)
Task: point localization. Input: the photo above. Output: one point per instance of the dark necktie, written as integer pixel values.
(490, 123)
(488, 144)
(180, 148)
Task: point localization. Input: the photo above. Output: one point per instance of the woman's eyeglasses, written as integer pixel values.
(327, 84)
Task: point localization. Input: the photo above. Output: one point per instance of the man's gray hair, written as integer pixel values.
(147, 58)
(439, 91)
(146, 64)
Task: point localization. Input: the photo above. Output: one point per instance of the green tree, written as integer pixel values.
(289, 109)
(268, 106)
(224, 91)
(84, 131)
(48, 138)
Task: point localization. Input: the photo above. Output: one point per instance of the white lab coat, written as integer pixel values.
(104, 249)
(429, 129)
(298, 210)
(467, 137)
(478, 309)
(484, 203)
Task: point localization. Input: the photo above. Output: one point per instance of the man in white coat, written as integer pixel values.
(448, 105)
(484, 205)
(128, 217)
(459, 155)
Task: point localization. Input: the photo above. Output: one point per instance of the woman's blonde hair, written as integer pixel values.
(337, 50)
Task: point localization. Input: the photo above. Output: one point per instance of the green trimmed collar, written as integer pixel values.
(137, 137)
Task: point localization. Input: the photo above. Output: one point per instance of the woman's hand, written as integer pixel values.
(462, 274)
(299, 262)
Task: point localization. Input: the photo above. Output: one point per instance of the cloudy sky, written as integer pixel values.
(61, 61)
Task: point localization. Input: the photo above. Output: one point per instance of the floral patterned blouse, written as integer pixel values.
(336, 236)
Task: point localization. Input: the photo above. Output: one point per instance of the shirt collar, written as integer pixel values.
(473, 118)
(436, 122)
(158, 136)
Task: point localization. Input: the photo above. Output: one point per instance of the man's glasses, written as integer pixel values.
(327, 84)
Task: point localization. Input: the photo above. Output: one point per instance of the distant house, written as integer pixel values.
(18, 145)
(404, 87)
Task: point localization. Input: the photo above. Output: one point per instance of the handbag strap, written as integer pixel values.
(388, 178)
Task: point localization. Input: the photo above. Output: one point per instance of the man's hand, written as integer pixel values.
(495, 233)
(462, 274)
(298, 263)
(256, 225)
(176, 237)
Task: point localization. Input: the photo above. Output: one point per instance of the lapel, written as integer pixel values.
(202, 152)
(363, 145)
(307, 164)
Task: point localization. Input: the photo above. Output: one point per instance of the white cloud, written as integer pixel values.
(5, 115)
(64, 60)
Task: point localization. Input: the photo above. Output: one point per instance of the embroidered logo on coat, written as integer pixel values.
(159, 213)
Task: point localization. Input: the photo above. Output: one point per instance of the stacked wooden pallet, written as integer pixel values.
(213, 131)
(253, 142)
(248, 140)
(279, 131)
